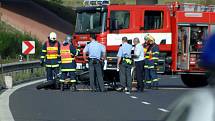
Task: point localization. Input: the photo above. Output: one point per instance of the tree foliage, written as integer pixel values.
(11, 41)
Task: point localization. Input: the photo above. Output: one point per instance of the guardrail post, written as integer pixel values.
(32, 70)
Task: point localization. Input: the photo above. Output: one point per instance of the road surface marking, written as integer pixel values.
(5, 113)
(174, 77)
(134, 97)
(147, 103)
(164, 110)
(171, 88)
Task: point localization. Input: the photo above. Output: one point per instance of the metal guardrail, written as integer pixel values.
(21, 72)
(5, 68)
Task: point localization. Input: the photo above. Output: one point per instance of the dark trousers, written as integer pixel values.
(70, 74)
(51, 73)
(139, 68)
(96, 78)
(151, 77)
(125, 76)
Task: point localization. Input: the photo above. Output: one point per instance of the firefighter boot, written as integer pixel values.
(148, 84)
(155, 85)
(73, 86)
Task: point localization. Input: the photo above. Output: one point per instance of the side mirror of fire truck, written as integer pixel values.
(163, 42)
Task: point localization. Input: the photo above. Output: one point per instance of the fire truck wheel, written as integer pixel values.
(194, 80)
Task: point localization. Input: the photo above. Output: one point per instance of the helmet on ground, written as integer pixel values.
(148, 37)
(53, 36)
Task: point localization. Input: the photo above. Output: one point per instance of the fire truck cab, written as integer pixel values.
(179, 30)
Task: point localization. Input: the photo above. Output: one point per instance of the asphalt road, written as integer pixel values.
(29, 104)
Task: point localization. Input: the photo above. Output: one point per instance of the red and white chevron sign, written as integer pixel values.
(28, 47)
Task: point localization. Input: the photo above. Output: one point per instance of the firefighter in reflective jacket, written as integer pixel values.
(50, 56)
(151, 62)
(68, 64)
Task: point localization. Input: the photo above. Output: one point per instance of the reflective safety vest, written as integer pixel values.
(65, 53)
(145, 48)
(52, 51)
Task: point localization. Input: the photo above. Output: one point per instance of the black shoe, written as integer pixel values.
(73, 88)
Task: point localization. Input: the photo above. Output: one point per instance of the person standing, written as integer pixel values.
(124, 64)
(139, 63)
(50, 56)
(152, 56)
(68, 64)
(97, 53)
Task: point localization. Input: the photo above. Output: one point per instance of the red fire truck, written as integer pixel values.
(179, 30)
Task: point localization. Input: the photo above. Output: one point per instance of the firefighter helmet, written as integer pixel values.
(149, 37)
(68, 39)
(53, 36)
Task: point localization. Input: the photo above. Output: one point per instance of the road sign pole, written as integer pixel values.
(27, 57)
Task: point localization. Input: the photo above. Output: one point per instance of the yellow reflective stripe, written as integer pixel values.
(155, 58)
(42, 57)
(64, 62)
(148, 82)
(52, 48)
(146, 66)
(77, 51)
(72, 81)
(155, 80)
(61, 80)
(64, 51)
(146, 56)
(68, 69)
(44, 51)
(148, 52)
(57, 65)
(155, 53)
(151, 67)
(67, 59)
(52, 56)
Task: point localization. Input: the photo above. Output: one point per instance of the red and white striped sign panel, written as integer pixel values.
(28, 47)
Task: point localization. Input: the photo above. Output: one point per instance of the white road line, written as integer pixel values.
(134, 97)
(174, 77)
(146, 103)
(5, 113)
(170, 88)
(164, 110)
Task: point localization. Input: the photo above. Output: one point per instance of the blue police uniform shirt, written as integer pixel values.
(94, 49)
(125, 51)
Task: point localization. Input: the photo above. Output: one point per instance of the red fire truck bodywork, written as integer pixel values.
(179, 30)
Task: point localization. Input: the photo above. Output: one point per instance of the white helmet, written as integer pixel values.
(53, 36)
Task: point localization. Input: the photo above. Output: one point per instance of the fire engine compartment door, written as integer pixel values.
(190, 40)
(183, 47)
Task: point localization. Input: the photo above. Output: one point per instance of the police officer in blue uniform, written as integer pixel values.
(97, 53)
(124, 64)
